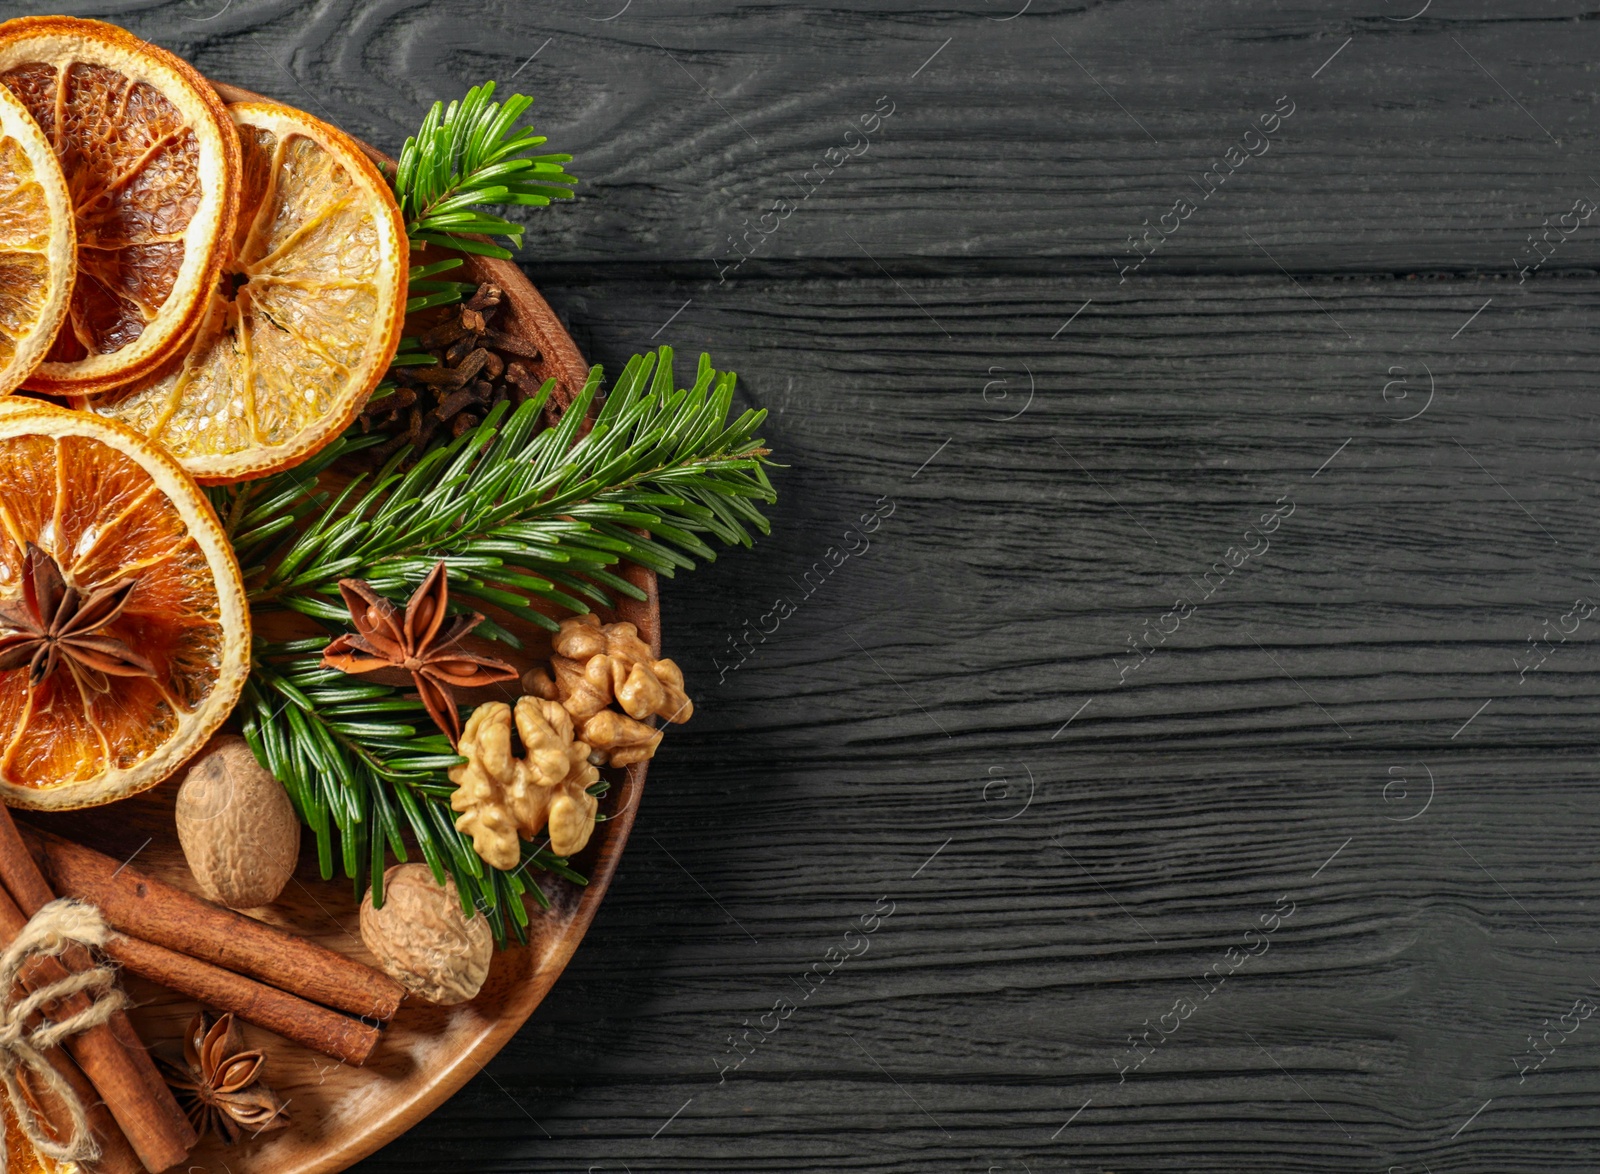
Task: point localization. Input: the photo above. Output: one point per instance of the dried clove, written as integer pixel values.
(477, 366)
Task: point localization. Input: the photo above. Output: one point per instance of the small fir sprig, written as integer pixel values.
(468, 156)
(465, 158)
(517, 514)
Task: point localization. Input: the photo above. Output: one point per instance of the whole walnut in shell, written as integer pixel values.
(422, 939)
(238, 829)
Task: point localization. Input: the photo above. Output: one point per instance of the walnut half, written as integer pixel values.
(618, 739)
(596, 664)
(502, 798)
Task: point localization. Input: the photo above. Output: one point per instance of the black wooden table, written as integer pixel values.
(1158, 732)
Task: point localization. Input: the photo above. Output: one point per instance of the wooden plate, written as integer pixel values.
(341, 1114)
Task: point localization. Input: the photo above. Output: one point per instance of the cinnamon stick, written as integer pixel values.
(318, 1028)
(126, 1078)
(143, 907)
(116, 1155)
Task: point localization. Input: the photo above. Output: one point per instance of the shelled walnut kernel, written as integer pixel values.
(568, 727)
(641, 684)
(597, 664)
(502, 798)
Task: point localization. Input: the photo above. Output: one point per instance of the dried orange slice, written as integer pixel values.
(36, 244)
(21, 1155)
(152, 164)
(113, 675)
(304, 319)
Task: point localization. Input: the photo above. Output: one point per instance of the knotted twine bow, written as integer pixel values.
(56, 927)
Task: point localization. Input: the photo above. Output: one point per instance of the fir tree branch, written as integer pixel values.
(469, 156)
(518, 515)
(463, 159)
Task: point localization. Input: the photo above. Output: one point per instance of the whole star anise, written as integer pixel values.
(55, 622)
(419, 641)
(218, 1083)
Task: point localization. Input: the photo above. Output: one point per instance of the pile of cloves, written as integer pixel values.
(478, 367)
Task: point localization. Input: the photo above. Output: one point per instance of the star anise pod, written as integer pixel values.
(218, 1084)
(54, 622)
(419, 641)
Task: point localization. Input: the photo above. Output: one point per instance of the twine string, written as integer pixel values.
(55, 928)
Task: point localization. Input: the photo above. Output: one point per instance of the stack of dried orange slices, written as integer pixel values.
(213, 292)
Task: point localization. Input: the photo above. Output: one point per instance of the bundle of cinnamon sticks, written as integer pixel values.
(223, 959)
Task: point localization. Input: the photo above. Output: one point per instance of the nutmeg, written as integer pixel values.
(237, 827)
(421, 938)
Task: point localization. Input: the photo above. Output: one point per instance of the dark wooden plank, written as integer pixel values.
(1424, 144)
(1085, 879)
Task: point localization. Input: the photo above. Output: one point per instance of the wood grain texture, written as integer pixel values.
(944, 722)
(1040, 142)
